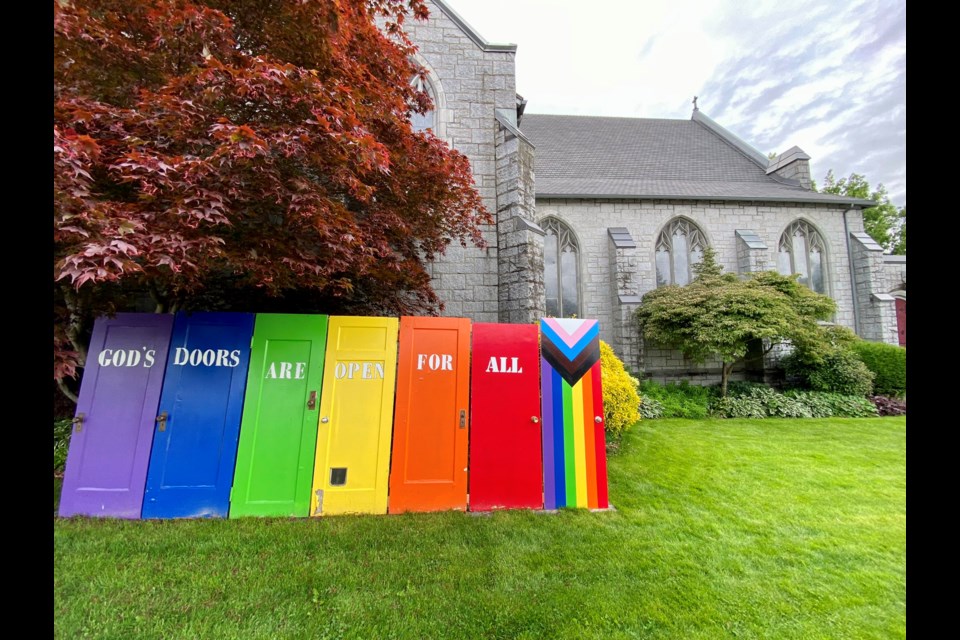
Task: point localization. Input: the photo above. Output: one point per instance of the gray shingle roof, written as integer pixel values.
(599, 157)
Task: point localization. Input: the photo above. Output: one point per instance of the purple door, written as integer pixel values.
(113, 430)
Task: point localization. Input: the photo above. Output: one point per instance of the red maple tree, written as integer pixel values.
(223, 153)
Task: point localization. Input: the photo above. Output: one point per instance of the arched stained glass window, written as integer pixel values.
(679, 247)
(561, 265)
(802, 251)
(422, 122)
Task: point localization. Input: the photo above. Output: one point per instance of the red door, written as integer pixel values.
(902, 320)
(429, 466)
(505, 457)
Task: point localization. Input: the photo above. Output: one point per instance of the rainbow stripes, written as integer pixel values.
(574, 448)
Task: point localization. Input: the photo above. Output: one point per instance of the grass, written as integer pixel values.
(722, 529)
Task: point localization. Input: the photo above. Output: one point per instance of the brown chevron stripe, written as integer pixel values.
(571, 370)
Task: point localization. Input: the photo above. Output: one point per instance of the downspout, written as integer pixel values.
(853, 283)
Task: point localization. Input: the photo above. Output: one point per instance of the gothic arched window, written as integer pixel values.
(802, 251)
(428, 120)
(561, 265)
(679, 246)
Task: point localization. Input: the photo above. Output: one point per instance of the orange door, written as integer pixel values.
(430, 433)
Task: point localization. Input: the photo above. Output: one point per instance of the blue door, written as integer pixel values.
(195, 438)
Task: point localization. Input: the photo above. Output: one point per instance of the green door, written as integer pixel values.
(278, 432)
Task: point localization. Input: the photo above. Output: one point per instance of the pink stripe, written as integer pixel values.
(569, 339)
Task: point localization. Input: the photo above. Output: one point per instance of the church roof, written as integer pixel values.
(651, 158)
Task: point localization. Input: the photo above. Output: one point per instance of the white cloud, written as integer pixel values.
(826, 76)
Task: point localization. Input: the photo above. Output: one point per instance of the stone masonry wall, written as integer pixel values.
(589, 219)
(474, 83)
(877, 310)
(894, 273)
(520, 240)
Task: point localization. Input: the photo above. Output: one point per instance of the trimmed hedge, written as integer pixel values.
(839, 371)
(888, 363)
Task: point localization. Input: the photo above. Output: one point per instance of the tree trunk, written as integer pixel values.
(726, 368)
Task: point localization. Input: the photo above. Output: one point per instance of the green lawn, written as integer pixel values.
(722, 529)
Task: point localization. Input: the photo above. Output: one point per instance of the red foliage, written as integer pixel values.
(258, 143)
(889, 406)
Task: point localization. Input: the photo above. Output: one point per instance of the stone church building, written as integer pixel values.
(593, 212)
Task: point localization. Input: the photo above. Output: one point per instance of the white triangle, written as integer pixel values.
(570, 325)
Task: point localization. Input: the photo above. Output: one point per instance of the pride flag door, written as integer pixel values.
(574, 447)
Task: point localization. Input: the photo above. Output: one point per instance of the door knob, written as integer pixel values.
(162, 421)
(534, 419)
(79, 422)
(312, 401)
(598, 419)
(324, 419)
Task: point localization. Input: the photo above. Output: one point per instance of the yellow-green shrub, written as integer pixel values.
(621, 400)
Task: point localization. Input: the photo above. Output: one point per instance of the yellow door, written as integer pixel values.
(356, 417)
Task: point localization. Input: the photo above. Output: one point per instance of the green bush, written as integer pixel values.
(61, 443)
(839, 370)
(888, 363)
(682, 400)
(621, 401)
(651, 408)
(739, 407)
(749, 400)
(758, 401)
(834, 405)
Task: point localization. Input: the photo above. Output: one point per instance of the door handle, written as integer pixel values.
(534, 419)
(162, 421)
(598, 419)
(463, 418)
(324, 419)
(312, 401)
(78, 421)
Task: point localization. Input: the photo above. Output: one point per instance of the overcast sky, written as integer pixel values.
(829, 77)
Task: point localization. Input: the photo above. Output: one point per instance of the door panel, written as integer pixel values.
(194, 451)
(429, 464)
(356, 417)
(505, 449)
(278, 432)
(574, 444)
(106, 465)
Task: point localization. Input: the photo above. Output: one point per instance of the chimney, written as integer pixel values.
(792, 164)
